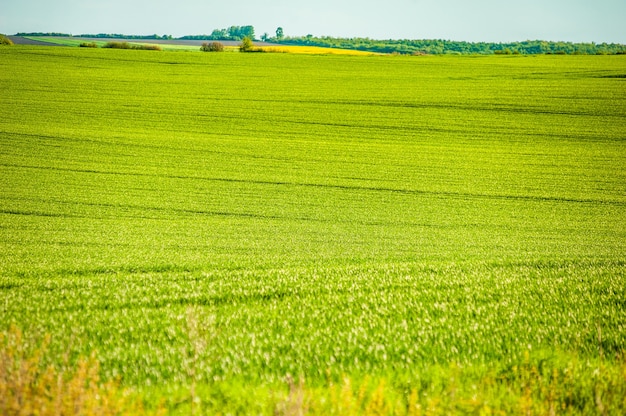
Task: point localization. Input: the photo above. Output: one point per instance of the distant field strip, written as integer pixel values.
(174, 45)
(335, 217)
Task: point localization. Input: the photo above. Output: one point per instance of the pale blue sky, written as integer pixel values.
(470, 20)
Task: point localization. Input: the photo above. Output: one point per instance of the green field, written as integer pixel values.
(224, 220)
(77, 41)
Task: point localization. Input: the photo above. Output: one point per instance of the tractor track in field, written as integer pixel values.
(447, 194)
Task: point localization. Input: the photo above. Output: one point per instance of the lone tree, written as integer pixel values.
(246, 45)
(279, 33)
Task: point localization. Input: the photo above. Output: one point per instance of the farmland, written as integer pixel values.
(194, 45)
(226, 220)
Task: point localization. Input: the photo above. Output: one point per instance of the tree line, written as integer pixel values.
(439, 46)
(55, 34)
(236, 33)
(95, 36)
(232, 33)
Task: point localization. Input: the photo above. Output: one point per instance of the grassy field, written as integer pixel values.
(75, 42)
(404, 234)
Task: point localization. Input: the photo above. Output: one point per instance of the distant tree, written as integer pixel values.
(246, 45)
(280, 34)
(212, 47)
(265, 37)
(233, 32)
(248, 31)
(240, 32)
(219, 34)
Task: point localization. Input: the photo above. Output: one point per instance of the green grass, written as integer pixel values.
(72, 41)
(233, 218)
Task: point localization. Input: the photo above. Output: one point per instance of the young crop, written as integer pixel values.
(397, 232)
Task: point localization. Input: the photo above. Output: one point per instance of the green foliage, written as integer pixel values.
(5, 41)
(280, 34)
(451, 225)
(88, 45)
(212, 47)
(438, 46)
(246, 45)
(232, 33)
(44, 34)
(237, 32)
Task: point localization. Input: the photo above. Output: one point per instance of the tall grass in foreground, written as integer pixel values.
(538, 385)
(29, 387)
(5, 40)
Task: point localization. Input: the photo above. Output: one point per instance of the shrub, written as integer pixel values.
(246, 45)
(148, 47)
(117, 45)
(88, 45)
(126, 45)
(212, 47)
(5, 41)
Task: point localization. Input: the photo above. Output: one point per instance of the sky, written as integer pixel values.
(461, 20)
